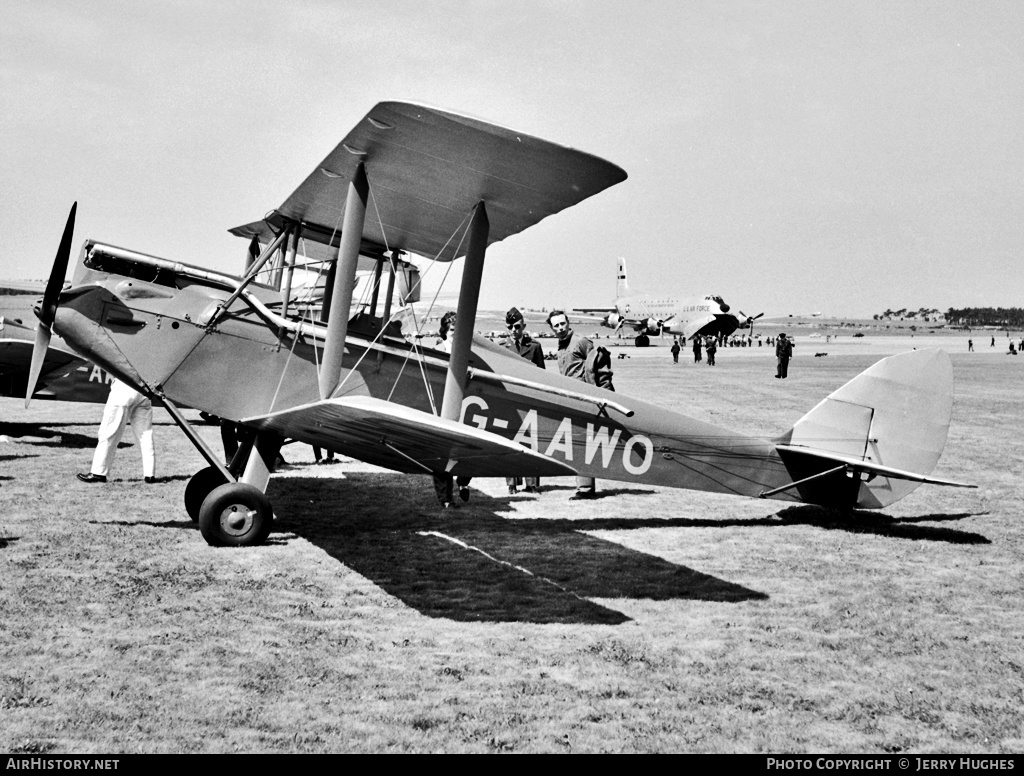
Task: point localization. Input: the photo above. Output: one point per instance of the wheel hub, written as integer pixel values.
(237, 519)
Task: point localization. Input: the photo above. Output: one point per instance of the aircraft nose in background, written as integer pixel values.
(725, 307)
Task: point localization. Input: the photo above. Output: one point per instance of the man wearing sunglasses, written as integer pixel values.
(520, 342)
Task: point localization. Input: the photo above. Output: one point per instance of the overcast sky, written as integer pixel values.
(836, 156)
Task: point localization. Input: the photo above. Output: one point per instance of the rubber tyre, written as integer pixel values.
(235, 515)
(642, 341)
(199, 487)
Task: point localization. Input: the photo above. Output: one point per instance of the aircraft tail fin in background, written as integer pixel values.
(621, 284)
(893, 416)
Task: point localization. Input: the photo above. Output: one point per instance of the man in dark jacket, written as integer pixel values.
(520, 342)
(576, 354)
(784, 352)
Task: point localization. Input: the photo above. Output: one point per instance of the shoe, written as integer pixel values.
(150, 480)
(512, 490)
(450, 505)
(464, 493)
(531, 489)
(778, 377)
(90, 477)
(582, 495)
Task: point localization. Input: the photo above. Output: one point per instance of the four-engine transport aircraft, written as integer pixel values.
(442, 185)
(666, 313)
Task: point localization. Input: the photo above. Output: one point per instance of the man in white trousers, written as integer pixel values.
(124, 405)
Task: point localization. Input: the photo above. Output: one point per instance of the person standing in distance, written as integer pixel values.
(521, 343)
(784, 352)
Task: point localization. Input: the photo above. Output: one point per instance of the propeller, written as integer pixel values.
(48, 308)
(750, 321)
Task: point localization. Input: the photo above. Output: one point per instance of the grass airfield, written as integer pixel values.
(649, 620)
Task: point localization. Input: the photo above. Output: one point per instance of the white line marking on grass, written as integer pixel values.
(487, 555)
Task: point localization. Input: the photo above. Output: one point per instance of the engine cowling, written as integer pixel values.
(653, 326)
(612, 320)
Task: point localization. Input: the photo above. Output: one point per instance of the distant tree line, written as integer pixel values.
(921, 314)
(1003, 317)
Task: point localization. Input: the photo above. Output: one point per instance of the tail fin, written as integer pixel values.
(888, 423)
(621, 284)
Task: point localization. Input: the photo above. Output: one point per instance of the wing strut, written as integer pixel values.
(253, 271)
(286, 285)
(344, 281)
(469, 294)
(392, 269)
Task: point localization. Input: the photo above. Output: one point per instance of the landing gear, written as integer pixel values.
(642, 341)
(229, 513)
(235, 515)
(199, 487)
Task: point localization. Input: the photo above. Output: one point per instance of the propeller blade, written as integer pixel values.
(42, 344)
(54, 285)
(48, 308)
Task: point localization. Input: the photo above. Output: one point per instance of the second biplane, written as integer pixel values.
(412, 179)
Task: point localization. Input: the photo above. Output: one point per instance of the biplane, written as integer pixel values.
(412, 179)
(667, 313)
(63, 375)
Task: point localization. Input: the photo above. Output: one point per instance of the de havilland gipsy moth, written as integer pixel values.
(410, 179)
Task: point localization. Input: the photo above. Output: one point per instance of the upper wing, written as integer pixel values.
(427, 169)
(404, 439)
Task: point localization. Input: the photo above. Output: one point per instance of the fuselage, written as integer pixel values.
(146, 320)
(687, 316)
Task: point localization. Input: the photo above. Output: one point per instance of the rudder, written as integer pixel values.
(896, 414)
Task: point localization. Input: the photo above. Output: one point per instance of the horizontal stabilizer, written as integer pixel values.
(860, 465)
(407, 440)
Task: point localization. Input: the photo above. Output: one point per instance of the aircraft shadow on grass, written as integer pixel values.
(472, 564)
(882, 525)
(860, 521)
(41, 434)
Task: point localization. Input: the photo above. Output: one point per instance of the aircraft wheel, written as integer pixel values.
(199, 487)
(642, 341)
(235, 515)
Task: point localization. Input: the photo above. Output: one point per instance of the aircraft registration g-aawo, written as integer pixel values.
(666, 313)
(414, 179)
